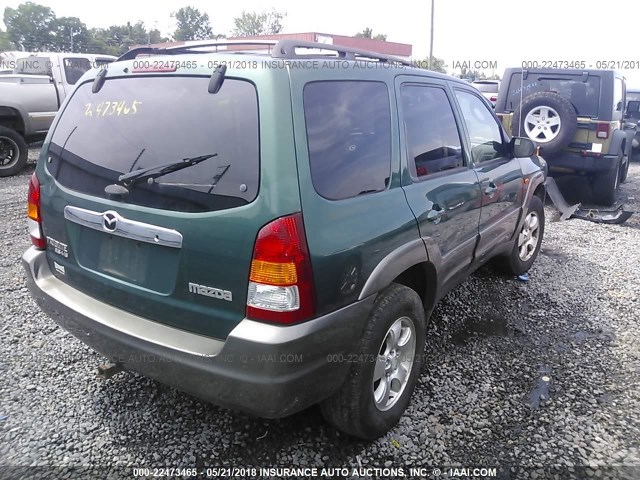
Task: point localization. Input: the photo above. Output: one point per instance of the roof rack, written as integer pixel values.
(178, 49)
(285, 49)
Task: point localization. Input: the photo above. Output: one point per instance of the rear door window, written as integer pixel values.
(433, 140)
(349, 137)
(583, 95)
(140, 122)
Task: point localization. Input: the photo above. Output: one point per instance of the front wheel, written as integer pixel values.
(528, 241)
(13, 152)
(381, 381)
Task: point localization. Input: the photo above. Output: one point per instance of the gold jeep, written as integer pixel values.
(577, 119)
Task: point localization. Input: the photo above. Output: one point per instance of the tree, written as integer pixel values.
(191, 24)
(368, 33)
(31, 26)
(472, 75)
(71, 35)
(5, 43)
(117, 39)
(438, 65)
(250, 24)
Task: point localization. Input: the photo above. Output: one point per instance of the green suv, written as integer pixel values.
(272, 231)
(576, 117)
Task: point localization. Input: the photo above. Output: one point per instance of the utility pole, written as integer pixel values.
(71, 32)
(431, 42)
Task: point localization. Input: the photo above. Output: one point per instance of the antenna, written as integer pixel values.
(520, 109)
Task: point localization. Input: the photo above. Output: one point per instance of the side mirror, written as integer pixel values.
(522, 147)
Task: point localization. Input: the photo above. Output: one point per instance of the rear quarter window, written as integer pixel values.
(349, 137)
(150, 121)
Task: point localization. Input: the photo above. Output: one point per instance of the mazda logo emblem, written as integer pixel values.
(110, 221)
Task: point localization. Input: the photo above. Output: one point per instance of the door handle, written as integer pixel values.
(491, 189)
(435, 214)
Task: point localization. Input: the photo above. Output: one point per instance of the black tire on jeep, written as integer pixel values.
(561, 133)
(13, 152)
(381, 380)
(625, 171)
(605, 185)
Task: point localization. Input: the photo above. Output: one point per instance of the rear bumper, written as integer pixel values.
(575, 163)
(265, 370)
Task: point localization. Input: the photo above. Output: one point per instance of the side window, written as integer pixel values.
(618, 94)
(484, 133)
(433, 141)
(74, 68)
(349, 137)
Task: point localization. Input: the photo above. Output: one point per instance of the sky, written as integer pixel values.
(500, 32)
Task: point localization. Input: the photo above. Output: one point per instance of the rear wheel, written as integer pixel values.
(528, 241)
(13, 152)
(381, 381)
(546, 118)
(624, 171)
(605, 186)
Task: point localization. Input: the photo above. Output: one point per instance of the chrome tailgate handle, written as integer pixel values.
(115, 224)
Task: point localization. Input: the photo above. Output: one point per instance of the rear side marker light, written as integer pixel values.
(281, 288)
(34, 219)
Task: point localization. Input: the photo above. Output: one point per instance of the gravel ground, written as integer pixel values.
(520, 375)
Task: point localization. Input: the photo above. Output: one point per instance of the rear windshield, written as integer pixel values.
(487, 87)
(140, 122)
(584, 95)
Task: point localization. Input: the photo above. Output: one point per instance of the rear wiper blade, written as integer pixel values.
(132, 178)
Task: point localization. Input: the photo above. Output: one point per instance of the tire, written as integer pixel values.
(625, 171)
(516, 263)
(560, 107)
(353, 409)
(605, 186)
(13, 152)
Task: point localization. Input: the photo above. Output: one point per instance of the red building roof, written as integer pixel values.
(377, 46)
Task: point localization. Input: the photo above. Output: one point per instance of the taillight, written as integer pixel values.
(34, 220)
(281, 281)
(602, 130)
(494, 98)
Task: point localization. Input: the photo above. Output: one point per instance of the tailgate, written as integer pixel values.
(177, 248)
